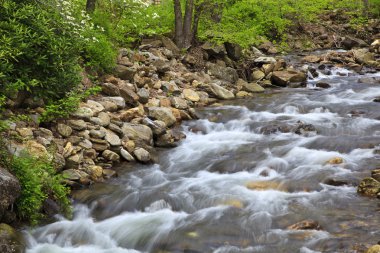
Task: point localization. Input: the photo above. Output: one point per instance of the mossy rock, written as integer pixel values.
(11, 241)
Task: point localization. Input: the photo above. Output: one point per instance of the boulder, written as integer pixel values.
(191, 95)
(369, 187)
(64, 130)
(110, 89)
(9, 190)
(129, 95)
(110, 156)
(162, 114)
(178, 103)
(234, 51)
(223, 73)
(142, 155)
(112, 138)
(138, 132)
(124, 72)
(126, 155)
(78, 125)
(351, 42)
(220, 92)
(286, 77)
(11, 241)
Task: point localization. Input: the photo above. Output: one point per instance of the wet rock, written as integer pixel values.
(311, 59)
(243, 94)
(64, 130)
(10, 240)
(110, 155)
(322, 85)
(253, 87)
(112, 138)
(335, 182)
(305, 225)
(223, 73)
(77, 124)
(169, 139)
(220, 92)
(374, 249)
(95, 172)
(162, 114)
(138, 132)
(335, 160)
(191, 95)
(376, 174)
(265, 185)
(368, 80)
(369, 187)
(126, 155)
(286, 77)
(363, 56)
(9, 190)
(158, 127)
(376, 100)
(271, 129)
(142, 155)
(303, 128)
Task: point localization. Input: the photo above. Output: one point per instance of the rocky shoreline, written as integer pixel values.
(151, 91)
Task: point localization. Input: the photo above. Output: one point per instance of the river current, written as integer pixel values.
(236, 184)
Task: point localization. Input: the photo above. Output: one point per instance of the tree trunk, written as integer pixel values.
(187, 24)
(90, 6)
(197, 15)
(178, 37)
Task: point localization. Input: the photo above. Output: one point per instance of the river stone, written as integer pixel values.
(119, 101)
(169, 139)
(369, 187)
(265, 59)
(285, 77)
(129, 95)
(376, 174)
(257, 75)
(253, 87)
(305, 225)
(94, 171)
(221, 92)
(143, 95)
(142, 155)
(363, 56)
(214, 49)
(351, 42)
(374, 249)
(59, 161)
(115, 128)
(77, 124)
(109, 106)
(74, 161)
(25, 132)
(162, 114)
(242, 94)
(83, 113)
(110, 155)
(158, 127)
(191, 95)
(99, 145)
(86, 144)
(36, 149)
(322, 85)
(96, 107)
(9, 190)
(89, 154)
(112, 138)
(10, 240)
(110, 89)
(100, 134)
(124, 72)
(223, 73)
(126, 155)
(179, 103)
(138, 132)
(64, 130)
(234, 51)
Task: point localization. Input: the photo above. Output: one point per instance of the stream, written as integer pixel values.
(236, 184)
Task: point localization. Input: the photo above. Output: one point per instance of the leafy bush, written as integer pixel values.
(38, 53)
(38, 182)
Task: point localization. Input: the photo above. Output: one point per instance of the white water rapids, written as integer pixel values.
(230, 188)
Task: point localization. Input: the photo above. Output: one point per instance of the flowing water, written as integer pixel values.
(229, 187)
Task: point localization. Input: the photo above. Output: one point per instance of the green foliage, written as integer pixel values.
(37, 53)
(67, 105)
(38, 182)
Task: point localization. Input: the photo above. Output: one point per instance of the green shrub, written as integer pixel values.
(38, 182)
(38, 53)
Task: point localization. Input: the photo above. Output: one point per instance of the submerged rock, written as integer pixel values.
(305, 225)
(11, 241)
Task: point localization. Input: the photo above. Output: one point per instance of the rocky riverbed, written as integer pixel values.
(156, 87)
